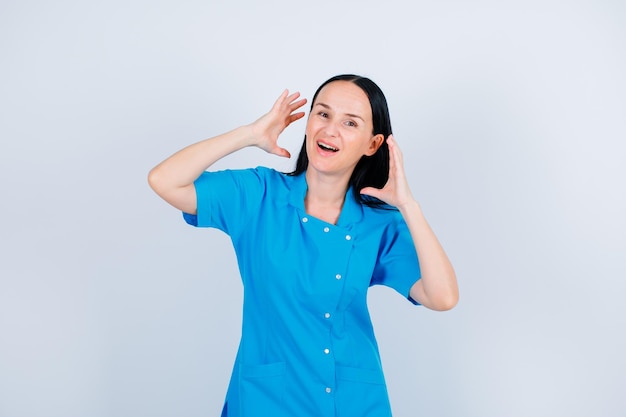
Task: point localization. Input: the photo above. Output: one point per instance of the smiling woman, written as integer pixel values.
(339, 132)
(347, 221)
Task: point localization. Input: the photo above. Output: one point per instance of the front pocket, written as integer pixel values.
(368, 376)
(361, 392)
(262, 389)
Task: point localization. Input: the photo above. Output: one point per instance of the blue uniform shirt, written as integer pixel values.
(307, 346)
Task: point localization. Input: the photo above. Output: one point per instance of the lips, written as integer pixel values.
(327, 147)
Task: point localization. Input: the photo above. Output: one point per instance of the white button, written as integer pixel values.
(327, 351)
(348, 237)
(328, 390)
(326, 230)
(327, 315)
(305, 219)
(338, 276)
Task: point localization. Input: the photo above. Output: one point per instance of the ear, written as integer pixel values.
(374, 144)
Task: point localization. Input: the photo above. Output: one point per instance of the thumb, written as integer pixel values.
(371, 191)
(281, 152)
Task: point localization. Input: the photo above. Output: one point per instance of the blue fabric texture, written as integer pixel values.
(307, 346)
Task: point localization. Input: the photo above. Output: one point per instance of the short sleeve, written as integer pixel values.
(397, 266)
(227, 199)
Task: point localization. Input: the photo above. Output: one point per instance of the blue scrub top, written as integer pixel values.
(307, 346)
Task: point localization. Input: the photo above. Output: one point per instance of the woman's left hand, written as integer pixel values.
(396, 191)
(437, 289)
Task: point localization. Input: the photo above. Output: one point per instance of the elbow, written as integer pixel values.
(443, 299)
(180, 197)
(446, 303)
(447, 296)
(447, 300)
(155, 180)
(440, 298)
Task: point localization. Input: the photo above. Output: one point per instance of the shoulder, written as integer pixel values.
(388, 222)
(248, 179)
(384, 215)
(260, 175)
(269, 174)
(273, 178)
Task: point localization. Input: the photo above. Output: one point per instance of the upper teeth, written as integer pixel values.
(328, 147)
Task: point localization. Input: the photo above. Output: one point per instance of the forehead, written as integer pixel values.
(345, 97)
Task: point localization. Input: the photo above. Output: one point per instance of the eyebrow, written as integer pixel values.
(326, 106)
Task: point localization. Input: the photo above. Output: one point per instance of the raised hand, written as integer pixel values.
(396, 191)
(437, 289)
(267, 128)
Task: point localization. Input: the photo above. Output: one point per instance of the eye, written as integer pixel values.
(323, 114)
(350, 123)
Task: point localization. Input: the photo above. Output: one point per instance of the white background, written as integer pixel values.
(511, 116)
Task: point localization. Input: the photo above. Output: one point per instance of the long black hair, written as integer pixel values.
(370, 171)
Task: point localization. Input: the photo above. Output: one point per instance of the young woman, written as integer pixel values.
(309, 245)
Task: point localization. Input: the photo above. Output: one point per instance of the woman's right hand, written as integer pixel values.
(267, 129)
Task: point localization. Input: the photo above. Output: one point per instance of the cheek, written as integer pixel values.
(309, 130)
(312, 126)
(359, 141)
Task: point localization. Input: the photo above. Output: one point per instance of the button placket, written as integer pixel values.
(337, 243)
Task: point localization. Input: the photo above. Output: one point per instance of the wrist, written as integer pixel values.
(410, 205)
(247, 136)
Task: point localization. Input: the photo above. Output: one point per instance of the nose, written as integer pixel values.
(331, 129)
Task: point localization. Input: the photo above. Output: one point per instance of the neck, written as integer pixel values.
(325, 195)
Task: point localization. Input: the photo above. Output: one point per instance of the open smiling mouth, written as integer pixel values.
(325, 147)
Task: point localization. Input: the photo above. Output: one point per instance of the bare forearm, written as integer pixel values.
(173, 178)
(186, 165)
(437, 289)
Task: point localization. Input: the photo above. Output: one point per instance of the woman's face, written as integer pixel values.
(339, 129)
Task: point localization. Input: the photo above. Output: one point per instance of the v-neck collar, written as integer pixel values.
(351, 212)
